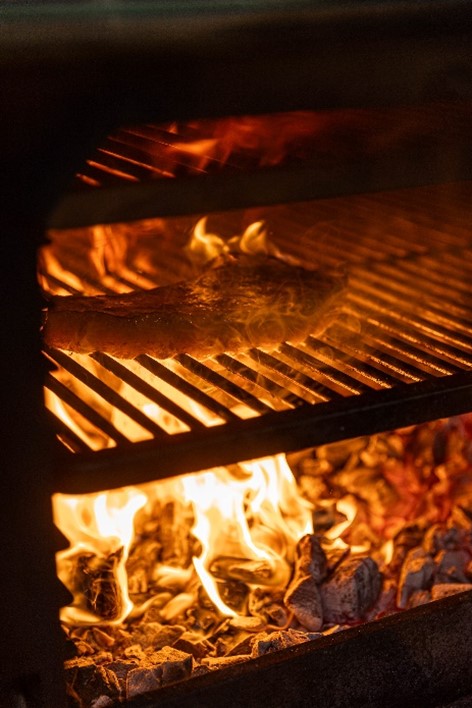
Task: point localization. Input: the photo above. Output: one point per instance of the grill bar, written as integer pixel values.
(285, 431)
(399, 347)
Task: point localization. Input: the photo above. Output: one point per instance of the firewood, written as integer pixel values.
(311, 558)
(155, 635)
(351, 591)
(416, 574)
(439, 537)
(451, 566)
(87, 680)
(304, 600)
(446, 589)
(249, 571)
(266, 643)
(220, 662)
(162, 668)
(266, 602)
(419, 597)
(193, 643)
(96, 576)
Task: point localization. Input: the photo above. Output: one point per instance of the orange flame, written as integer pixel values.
(250, 513)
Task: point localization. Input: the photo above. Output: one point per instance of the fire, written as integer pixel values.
(100, 530)
(248, 520)
(263, 141)
(204, 246)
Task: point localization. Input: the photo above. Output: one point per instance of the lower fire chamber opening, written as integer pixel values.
(383, 524)
(167, 586)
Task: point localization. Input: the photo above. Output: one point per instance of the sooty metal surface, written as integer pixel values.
(419, 658)
(399, 352)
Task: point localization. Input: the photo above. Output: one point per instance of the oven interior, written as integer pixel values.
(368, 181)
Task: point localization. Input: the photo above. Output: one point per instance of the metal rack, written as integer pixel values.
(399, 352)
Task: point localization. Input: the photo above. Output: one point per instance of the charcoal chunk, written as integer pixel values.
(311, 558)
(446, 589)
(416, 574)
(351, 591)
(160, 669)
(88, 680)
(266, 643)
(451, 566)
(303, 599)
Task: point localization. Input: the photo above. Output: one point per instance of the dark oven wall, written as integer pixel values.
(68, 75)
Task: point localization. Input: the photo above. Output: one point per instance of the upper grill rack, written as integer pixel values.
(236, 163)
(400, 350)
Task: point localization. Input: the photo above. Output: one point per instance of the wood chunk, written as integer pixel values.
(409, 537)
(419, 597)
(263, 600)
(176, 665)
(248, 571)
(121, 668)
(155, 635)
(446, 589)
(385, 603)
(311, 558)
(87, 680)
(220, 662)
(416, 574)
(438, 537)
(244, 646)
(451, 566)
(96, 578)
(160, 669)
(334, 558)
(304, 600)
(143, 680)
(351, 591)
(194, 644)
(103, 702)
(266, 643)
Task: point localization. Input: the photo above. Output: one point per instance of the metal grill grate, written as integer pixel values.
(400, 351)
(239, 162)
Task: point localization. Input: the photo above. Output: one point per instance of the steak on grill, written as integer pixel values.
(241, 302)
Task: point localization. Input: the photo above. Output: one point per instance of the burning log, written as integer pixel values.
(97, 579)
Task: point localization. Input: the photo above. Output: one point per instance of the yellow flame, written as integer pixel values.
(204, 245)
(255, 516)
(97, 524)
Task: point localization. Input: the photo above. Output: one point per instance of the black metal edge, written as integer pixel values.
(421, 656)
(281, 432)
(216, 192)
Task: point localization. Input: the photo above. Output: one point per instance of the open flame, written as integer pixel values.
(205, 246)
(99, 528)
(248, 520)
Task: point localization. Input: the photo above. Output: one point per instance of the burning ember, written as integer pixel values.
(185, 576)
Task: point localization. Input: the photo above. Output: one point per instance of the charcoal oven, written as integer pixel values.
(70, 75)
